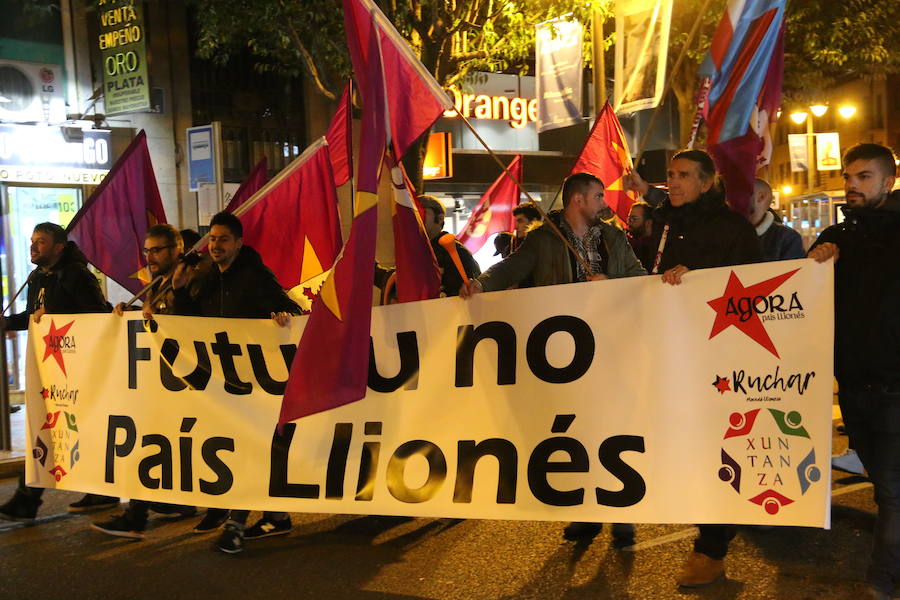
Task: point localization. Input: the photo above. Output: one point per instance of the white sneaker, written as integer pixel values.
(848, 462)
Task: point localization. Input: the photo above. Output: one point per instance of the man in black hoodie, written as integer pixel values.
(866, 247)
(693, 228)
(61, 284)
(238, 285)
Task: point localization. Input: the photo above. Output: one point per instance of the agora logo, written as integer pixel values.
(58, 342)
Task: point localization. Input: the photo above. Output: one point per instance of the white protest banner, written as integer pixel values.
(613, 401)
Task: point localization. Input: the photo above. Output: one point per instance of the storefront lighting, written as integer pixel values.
(798, 117)
(818, 109)
(787, 190)
(847, 111)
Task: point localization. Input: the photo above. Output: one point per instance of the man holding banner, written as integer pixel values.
(456, 262)
(866, 359)
(61, 284)
(239, 285)
(544, 257)
(693, 228)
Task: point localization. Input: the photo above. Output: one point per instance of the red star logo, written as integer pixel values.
(51, 344)
(722, 384)
(45, 393)
(752, 326)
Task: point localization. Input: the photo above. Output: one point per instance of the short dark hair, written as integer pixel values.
(168, 233)
(703, 160)
(645, 207)
(190, 238)
(882, 154)
(577, 183)
(226, 219)
(52, 229)
(527, 210)
(436, 206)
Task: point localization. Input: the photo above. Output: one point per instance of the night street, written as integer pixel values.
(342, 556)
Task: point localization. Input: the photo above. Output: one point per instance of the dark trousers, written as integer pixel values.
(872, 419)
(713, 540)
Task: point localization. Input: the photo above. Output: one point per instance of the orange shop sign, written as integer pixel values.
(518, 111)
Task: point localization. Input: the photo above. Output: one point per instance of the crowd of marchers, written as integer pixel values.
(669, 233)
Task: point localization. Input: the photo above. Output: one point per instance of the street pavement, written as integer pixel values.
(387, 558)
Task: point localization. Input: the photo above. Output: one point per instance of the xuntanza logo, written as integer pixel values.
(747, 307)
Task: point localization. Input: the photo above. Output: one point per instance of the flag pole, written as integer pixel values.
(21, 287)
(669, 81)
(553, 227)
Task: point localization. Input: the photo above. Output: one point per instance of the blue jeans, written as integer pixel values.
(872, 419)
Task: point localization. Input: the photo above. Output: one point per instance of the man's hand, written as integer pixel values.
(597, 277)
(632, 182)
(119, 308)
(823, 252)
(147, 312)
(38, 314)
(181, 275)
(673, 276)
(281, 319)
(470, 288)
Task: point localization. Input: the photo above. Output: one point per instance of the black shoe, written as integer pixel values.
(173, 511)
(120, 527)
(582, 532)
(622, 535)
(267, 527)
(14, 408)
(20, 508)
(212, 520)
(232, 539)
(92, 502)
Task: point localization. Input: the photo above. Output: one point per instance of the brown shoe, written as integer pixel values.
(701, 570)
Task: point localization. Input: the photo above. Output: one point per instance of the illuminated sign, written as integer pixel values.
(438, 157)
(37, 154)
(518, 111)
(123, 51)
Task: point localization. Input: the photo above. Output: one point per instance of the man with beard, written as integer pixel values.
(640, 227)
(238, 285)
(162, 247)
(544, 257)
(693, 228)
(60, 284)
(865, 248)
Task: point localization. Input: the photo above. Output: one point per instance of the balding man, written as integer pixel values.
(778, 241)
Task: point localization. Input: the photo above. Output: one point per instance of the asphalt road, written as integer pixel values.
(368, 558)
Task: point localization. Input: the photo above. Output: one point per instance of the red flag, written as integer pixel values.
(494, 211)
(417, 270)
(415, 100)
(605, 155)
(330, 367)
(294, 224)
(255, 180)
(340, 139)
(111, 226)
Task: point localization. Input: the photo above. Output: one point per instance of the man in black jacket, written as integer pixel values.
(693, 228)
(238, 285)
(61, 284)
(866, 247)
(447, 250)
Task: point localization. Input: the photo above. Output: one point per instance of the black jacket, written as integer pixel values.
(702, 234)
(68, 287)
(867, 294)
(246, 289)
(451, 280)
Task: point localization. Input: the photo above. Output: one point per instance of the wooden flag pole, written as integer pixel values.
(669, 81)
(21, 287)
(553, 227)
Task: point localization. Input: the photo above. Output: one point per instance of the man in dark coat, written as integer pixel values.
(693, 228)
(866, 247)
(61, 284)
(778, 241)
(452, 257)
(238, 285)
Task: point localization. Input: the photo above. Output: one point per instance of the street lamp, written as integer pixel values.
(847, 111)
